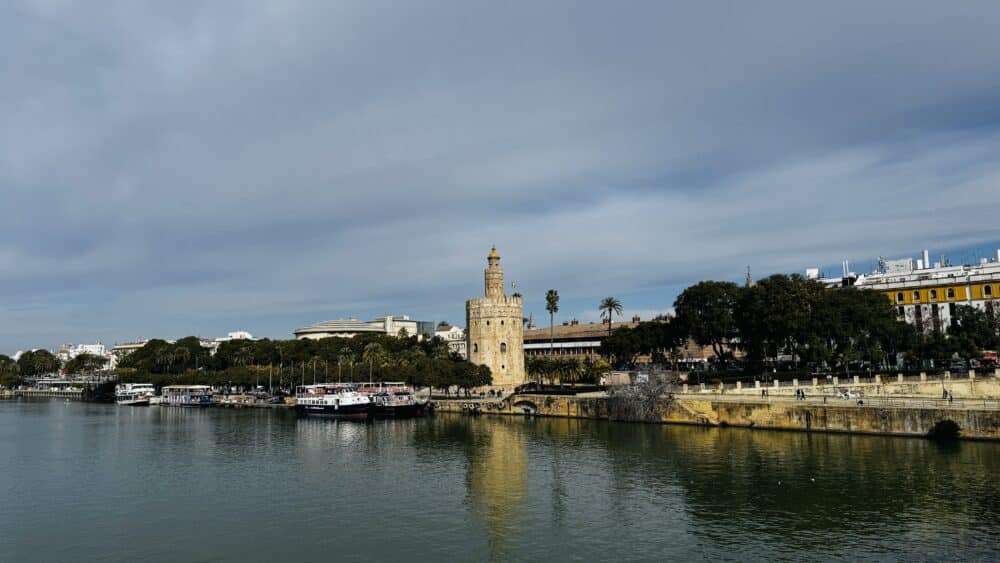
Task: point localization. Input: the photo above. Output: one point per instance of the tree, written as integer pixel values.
(705, 310)
(85, 363)
(181, 355)
(10, 374)
(38, 362)
(552, 306)
(610, 306)
(373, 355)
(345, 359)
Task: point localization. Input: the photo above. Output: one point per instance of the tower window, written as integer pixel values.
(501, 323)
(503, 347)
(503, 366)
(487, 323)
(899, 297)
(988, 290)
(475, 347)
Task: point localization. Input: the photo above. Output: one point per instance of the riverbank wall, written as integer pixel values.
(886, 417)
(71, 394)
(960, 386)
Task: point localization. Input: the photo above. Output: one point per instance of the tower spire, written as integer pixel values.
(494, 276)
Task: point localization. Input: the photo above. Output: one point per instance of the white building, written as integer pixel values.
(349, 328)
(69, 351)
(926, 294)
(213, 344)
(125, 348)
(455, 337)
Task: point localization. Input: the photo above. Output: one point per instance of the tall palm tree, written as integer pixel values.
(552, 306)
(373, 354)
(348, 360)
(610, 306)
(163, 358)
(182, 355)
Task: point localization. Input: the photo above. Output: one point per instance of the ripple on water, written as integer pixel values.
(95, 482)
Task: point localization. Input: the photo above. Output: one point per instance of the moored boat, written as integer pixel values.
(187, 395)
(392, 400)
(332, 400)
(134, 393)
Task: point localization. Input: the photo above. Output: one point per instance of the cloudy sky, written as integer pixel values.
(172, 168)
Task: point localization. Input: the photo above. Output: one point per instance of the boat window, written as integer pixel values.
(988, 290)
(916, 296)
(899, 297)
(951, 293)
(933, 294)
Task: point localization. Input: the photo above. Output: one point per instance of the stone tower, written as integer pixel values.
(494, 329)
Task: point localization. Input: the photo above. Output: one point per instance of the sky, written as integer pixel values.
(175, 168)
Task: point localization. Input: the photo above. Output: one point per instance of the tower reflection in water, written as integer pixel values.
(498, 476)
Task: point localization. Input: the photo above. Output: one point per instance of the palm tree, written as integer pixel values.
(163, 358)
(348, 360)
(183, 356)
(552, 306)
(610, 306)
(373, 354)
(243, 356)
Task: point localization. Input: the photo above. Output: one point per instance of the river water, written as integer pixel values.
(88, 482)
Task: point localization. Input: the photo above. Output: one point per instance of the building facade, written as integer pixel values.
(349, 328)
(495, 330)
(572, 340)
(455, 338)
(926, 295)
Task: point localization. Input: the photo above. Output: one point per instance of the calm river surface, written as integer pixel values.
(86, 482)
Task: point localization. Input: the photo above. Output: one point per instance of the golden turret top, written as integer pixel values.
(493, 253)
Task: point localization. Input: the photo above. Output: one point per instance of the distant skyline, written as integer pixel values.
(188, 168)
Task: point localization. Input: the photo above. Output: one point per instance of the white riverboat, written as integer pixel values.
(187, 396)
(392, 400)
(134, 393)
(332, 400)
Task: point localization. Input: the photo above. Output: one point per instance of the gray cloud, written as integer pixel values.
(178, 167)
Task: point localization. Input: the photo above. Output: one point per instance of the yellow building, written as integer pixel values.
(928, 296)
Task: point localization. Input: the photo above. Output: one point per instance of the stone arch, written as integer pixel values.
(946, 429)
(526, 407)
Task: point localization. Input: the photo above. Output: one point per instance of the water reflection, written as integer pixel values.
(249, 483)
(497, 477)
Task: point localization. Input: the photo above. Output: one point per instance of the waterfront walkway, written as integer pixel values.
(864, 401)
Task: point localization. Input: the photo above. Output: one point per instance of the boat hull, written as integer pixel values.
(329, 411)
(193, 402)
(397, 411)
(134, 402)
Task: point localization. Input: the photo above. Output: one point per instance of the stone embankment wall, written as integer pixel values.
(961, 386)
(976, 423)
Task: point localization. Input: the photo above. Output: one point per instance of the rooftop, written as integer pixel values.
(580, 330)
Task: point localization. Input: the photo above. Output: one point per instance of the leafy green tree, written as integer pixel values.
(38, 362)
(85, 364)
(373, 355)
(10, 374)
(705, 310)
(973, 331)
